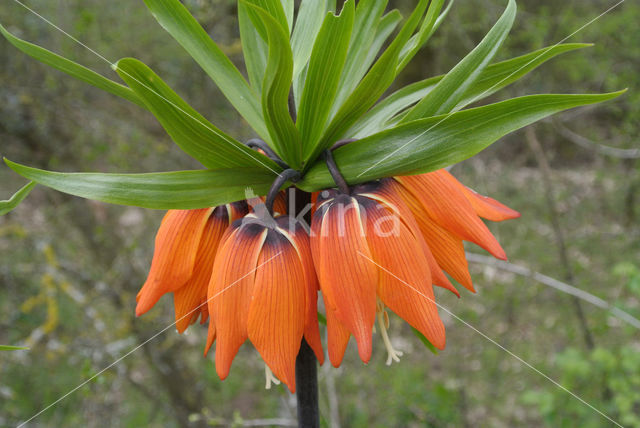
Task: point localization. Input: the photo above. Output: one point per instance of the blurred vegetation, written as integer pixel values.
(70, 268)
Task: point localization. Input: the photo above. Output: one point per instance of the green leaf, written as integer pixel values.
(11, 203)
(429, 144)
(416, 42)
(371, 88)
(308, 24)
(274, 10)
(493, 78)
(12, 348)
(275, 89)
(367, 17)
(450, 90)
(386, 26)
(425, 341)
(160, 190)
(289, 8)
(188, 128)
(176, 19)
(254, 48)
(73, 69)
(323, 76)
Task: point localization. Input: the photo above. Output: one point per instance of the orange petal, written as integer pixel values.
(448, 207)
(174, 257)
(190, 300)
(277, 311)
(230, 290)
(405, 282)
(391, 193)
(484, 206)
(337, 337)
(348, 282)
(279, 203)
(446, 248)
(299, 238)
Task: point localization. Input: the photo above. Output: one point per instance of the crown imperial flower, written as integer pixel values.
(186, 245)
(263, 288)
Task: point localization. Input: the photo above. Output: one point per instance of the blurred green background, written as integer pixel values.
(70, 268)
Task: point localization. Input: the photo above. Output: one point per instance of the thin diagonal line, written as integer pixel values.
(145, 342)
(488, 90)
(492, 341)
(114, 66)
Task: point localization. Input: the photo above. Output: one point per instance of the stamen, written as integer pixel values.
(270, 378)
(383, 323)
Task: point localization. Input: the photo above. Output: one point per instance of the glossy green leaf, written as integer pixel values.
(275, 89)
(161, 190)
(453, 86)
(275, 10)
(371, 88)
(12, 348)
(429, 144)
(415, 43)
(323, 76)
(367, 17)
(386, 26)
(11, 203)
(188, 128)
(308, 23)
(73, 69)
(492, 79)
(176, 19)
(289, 8)
(254, 48)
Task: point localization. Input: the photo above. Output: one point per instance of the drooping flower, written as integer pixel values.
(386, 243)
(263, 288)
(447, 212)
(185, 248)
(366, 249)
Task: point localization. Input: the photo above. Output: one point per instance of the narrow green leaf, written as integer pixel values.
(371, 88)
(425, 341)
(289, 8)
(275, 10)
(308, 24)
(11, 203)
(188, 128)
(492, 79)
(367, 17)
(176, 19)
(275, 89)
(450, 90)
(323, 76)
(254, 48)
(378, 118)
(429, 144)
(503, 73)
(73, 69)
(161, 190)
(12, 348)
(416, 42)
(386, 26)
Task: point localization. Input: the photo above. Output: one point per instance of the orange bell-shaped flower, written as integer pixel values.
(186, 245)
(264, 288)
(369, 254)
(447, 212)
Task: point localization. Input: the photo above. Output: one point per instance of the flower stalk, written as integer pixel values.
(306, 362)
